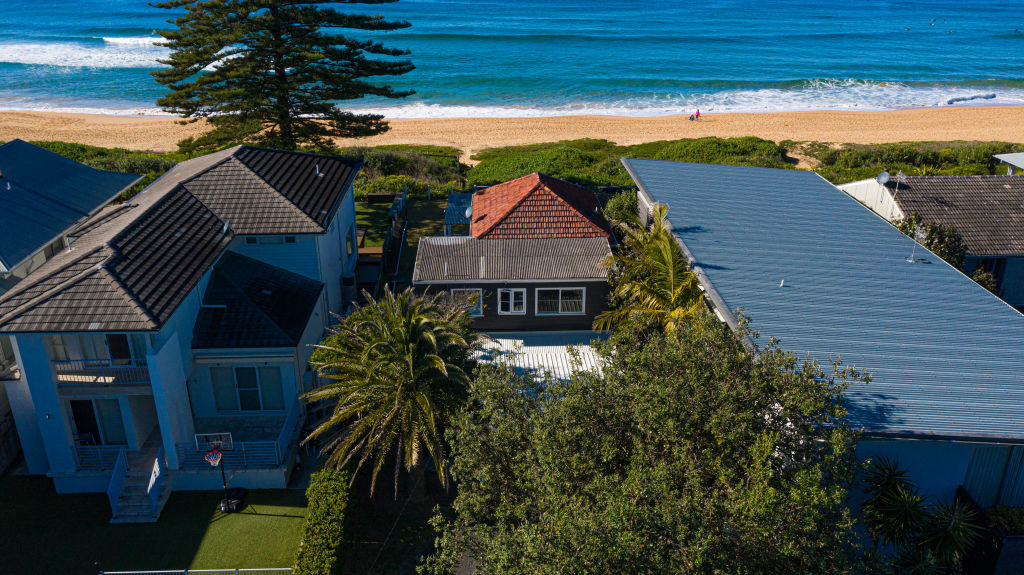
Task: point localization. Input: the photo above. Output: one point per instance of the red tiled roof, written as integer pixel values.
(537, 206)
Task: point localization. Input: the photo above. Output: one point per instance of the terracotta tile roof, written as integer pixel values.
(537, 206)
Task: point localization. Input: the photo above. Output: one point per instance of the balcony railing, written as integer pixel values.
(248, 454)
(101, 372)
(96, 457)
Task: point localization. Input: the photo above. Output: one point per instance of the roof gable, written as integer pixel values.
(813, 267)
(42, 194)
(537, 206)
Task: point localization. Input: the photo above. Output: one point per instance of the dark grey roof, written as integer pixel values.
(946, 356)
(455, 210)
(42, 194)
(249, 304)
(460, 258)
(988, 211)
(133, 265)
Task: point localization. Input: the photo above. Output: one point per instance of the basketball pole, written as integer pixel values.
(223, 478)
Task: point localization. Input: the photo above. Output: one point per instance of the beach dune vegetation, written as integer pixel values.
(272, 71)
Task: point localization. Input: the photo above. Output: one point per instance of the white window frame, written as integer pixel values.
(269, 240)
(511, 292)
(259, 389)
(475, 312)
(536, 301)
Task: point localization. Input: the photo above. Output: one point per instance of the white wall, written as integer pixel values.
(143, 412)
(202, 388)
(170, 395)
(311, 335)
(875, 196)
(300, 257)
(51, 417)
(24, 412)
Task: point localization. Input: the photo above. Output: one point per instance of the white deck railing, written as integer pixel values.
(117, 478)
(96, 457)
(101, 371)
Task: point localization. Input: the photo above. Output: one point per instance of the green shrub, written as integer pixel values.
(325, 519)
(622, 207)
(1010, 519)
(858, 162)
(393, 185)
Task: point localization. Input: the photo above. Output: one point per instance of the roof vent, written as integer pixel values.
(227, 226)
(319, 174)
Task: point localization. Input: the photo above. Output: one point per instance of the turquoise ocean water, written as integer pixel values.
(532, 57)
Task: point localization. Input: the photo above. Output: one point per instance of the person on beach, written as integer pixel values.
(697, 114)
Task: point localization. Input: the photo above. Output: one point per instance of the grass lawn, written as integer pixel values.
(42, 532)
(374, 218)
(426, 218)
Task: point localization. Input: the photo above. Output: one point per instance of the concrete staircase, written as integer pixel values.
(133, 502)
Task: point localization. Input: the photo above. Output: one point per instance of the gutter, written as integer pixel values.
(714, 298)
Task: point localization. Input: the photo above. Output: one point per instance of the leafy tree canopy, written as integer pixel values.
(688, 455)
(941, 240)
(271, 71)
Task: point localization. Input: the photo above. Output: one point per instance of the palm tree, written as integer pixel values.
(400, 370)
(654, 280)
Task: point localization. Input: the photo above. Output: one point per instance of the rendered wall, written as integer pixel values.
(24, 412)
(203, 404)
(144, 420)
(875, 196)
(300, 257)
(51, 417)
(170, 395)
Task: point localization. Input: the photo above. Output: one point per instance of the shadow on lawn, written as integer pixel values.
(384, 535)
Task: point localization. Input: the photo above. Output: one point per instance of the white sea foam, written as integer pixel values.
(133, 54)
(134, 40)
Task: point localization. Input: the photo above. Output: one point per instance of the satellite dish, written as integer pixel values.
(883, 178)
(469, 212)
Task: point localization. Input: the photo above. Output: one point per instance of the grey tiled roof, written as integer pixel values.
(132, 266)
(42, 194)
(946, 356)
(988, 211)
(253, 304)
(460, 258)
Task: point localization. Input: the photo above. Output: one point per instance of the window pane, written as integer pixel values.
(572, 301)
(547, 301)
(518, 300)
(117, 346)
(503, 301)
(224, 397)
(248, 389)
(110, 420)
(270, 388)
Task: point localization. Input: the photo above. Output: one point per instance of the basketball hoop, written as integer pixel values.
(213, 457)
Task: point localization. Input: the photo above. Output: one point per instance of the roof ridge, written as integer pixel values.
(230, 279)
(119, 282)
(515, 205)
(267, 185)
(592, 223)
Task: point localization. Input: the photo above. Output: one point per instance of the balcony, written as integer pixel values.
(259, 442)
(85, 372)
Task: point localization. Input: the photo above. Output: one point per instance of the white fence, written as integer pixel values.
(280, 571)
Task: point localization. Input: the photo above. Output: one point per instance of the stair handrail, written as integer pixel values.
(157, 478)
(117, 479)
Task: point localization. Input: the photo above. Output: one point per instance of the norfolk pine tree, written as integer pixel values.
(271, 71)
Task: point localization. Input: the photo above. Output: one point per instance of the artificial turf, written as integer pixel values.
(43, 532)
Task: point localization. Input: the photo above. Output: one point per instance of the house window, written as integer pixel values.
(247, 388)
(565, 301)
(472, 298)
(511, 301)
(270, 240)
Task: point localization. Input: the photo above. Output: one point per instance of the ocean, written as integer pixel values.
(556, 57)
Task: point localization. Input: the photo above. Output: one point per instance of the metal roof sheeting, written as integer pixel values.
(1012, 159)
(543, 353)
(811, 266)
(453, 258)
(42, 194)
(455, 210)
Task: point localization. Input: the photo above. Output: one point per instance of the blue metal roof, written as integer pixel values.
(455, 211)
(945, 355)
(42, 194)
(1016, 160)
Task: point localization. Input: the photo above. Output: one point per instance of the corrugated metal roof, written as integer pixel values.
(455, 210)
(455, 258)
(1012, 159)
(543, 353)
(47, 194)
(987, 211)
(946, 356)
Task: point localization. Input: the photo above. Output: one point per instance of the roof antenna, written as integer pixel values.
(227, 226)
(319, 174)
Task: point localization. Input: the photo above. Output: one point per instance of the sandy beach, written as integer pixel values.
(473, 134)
